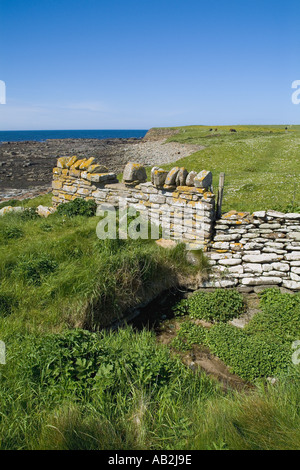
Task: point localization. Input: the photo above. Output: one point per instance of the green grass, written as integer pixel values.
(44, 200)
(67, 388)
(262, 349)
(123, 391)
(59, 274)
(261, 164)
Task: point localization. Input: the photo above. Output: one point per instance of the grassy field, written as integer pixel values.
(68, 388)
(261, 164)
(123, 391)
(67, 385)
(56, 273)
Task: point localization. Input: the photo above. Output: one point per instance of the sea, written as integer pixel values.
(40, 136)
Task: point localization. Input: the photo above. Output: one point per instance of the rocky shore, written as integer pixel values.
(26, 167)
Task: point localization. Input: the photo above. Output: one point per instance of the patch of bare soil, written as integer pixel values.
(201, 358)
(252, 307)
(159, 316)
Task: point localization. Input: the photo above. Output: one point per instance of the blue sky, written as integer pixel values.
(95, 64)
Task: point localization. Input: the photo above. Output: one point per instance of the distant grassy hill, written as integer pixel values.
(261, 163)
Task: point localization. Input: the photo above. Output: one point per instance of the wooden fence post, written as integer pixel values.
(220, 195)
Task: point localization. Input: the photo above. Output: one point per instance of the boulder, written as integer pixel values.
(7, 209)
(203, 179)
(158, 177)
(44, 211)
(134, 173)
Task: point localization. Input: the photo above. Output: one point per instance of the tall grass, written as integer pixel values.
(57, 273)
(122, 407)
(261, 164)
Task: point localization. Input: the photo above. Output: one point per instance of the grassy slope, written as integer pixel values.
(56, 273)
(186, 412)
(261, 163)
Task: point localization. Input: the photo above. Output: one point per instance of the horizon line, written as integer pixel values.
(143, 129)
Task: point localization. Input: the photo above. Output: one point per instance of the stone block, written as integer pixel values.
(62, 162)
(181, 177)
(263, 280)
(86, 163)
(263, 258)
(158, 177)
(134, 173)
(71, 161)
(203, 179)
(97, 169)
(171, 177)
(56, 184)
(190, 178)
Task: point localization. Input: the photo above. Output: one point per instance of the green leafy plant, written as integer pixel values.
(249, 356)
(181, 308)
(219, 306)
(189, 334)
(78, 207)
(11, 232)
(279, 316)
(28, 213)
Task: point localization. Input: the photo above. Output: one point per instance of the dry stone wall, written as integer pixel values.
(251, 251)
(185, 213)
(247, 251)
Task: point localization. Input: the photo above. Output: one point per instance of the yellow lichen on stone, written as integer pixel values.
(62, 162)
(56, 184)
(189, 189)
(55, 200)
(84, 165)
(97, 169)
(228, 214)
(75, 173)
(77, 164)
(71, 161)
(208, 195)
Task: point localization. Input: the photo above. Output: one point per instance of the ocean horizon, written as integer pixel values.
(40, 136)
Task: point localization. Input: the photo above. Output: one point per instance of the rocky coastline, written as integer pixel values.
(26, 167)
